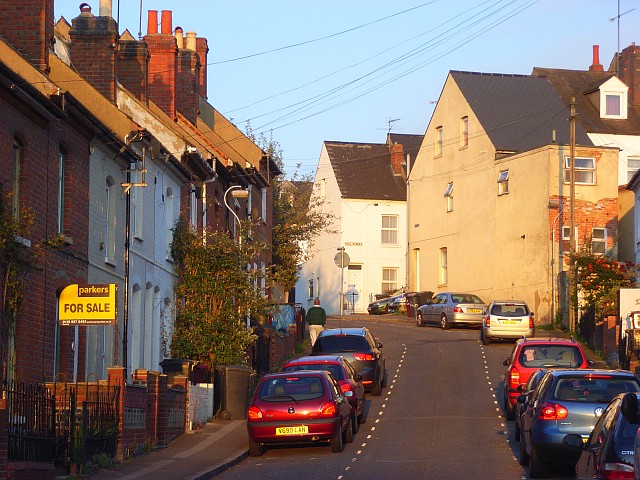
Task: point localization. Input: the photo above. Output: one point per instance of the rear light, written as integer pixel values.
(457, 310)
(616, 471)
(254, 413)
(364, 356)
(514, 378)
(328, 409)
(553, 411)
(487, 321)
(531, 325)
(345, 387)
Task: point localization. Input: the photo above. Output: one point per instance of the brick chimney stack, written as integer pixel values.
(396, 152)
(133, 66)
(188, 80)
(93, 45)
(203, 49)
(596, 66)
(163, 62)
(629, 69)
(28, 26)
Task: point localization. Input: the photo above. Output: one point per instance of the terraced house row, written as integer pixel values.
(108, 140)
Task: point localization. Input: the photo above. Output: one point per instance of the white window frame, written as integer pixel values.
(464, 132)
(438, 141)
(582, 170)
(168, 222)
(598, 241)
(566, 237)
(389, 279)
(110, 221)
(389, 230)
(193, 206)
(611, 92)
(18, 153)
(503, 182)
(263, 213)
(448, 194)
(633, 165)
(61, 170)
(443, 266)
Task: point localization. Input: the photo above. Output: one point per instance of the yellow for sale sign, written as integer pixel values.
(88, 304)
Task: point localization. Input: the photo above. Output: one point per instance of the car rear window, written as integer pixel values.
(340, 344)
(335, 370)
(538, 356)
(296, 388)
(591, 389)
(466, 299)
(510, 310)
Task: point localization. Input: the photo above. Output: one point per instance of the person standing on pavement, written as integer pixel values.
(316, 318)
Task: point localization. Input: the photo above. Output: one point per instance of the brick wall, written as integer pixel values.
(133, 67)
(163, 66)
(188, 84)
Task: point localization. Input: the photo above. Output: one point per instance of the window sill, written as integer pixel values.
(169, 258)
(110, 261)
(138, 238)
(25, 242)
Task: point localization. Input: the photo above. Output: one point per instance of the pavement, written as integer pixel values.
(218, 445)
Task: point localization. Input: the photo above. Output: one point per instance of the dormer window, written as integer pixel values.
(613, 99)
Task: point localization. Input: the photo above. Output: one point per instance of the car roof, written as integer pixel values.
(299, 373)
(509, 301)
(585, 372)
(315, 359)
(546, 340)
(344, 331)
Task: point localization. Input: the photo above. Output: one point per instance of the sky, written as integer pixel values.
(303, 72)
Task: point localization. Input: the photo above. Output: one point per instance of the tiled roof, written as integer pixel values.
(577, 83)
(363, 171)
(518, 112)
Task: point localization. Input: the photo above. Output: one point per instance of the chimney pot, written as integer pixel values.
(166, 26)
(105, 8)
(152, 22)
(179, 37)
(191, 41)
(596, 66)
(85, 8)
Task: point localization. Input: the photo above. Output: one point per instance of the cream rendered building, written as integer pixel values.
(488, 202)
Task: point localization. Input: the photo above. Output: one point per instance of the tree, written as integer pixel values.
(216, 295)
(297, 217)
(599, 278)
(16, 261)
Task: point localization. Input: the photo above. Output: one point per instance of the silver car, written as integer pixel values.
(452, 308)
(507, 319)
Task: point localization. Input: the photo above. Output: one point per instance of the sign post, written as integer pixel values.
(342, 260)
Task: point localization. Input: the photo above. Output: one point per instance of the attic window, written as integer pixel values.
(613, 99)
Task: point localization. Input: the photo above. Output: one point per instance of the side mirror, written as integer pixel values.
(520, 387)
(378, 344)
(591, 363)
(507, 362)
(521, 398)
(573, 440)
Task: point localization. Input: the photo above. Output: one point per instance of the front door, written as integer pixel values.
(354, 299)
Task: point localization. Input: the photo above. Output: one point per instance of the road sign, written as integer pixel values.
(342, 259)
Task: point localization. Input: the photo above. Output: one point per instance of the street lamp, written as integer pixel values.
(241, 193)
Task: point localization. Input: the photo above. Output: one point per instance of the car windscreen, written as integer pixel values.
(291, 388)
(539, 356)
(593, 389)
(335, 370)
(510, 310)
(340, 344)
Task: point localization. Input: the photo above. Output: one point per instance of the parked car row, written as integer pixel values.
(568, 413)
(319, 398)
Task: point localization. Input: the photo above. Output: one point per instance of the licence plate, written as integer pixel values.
(509, 322)
(292, 430)
(474, 310)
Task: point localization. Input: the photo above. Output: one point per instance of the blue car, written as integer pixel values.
(566, 401)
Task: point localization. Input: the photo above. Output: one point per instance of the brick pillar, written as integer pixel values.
(202, 48)
(152, 410)
(116, 376)
(162, 416)
(188, 83)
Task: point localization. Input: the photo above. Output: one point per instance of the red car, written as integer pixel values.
(343, 372)
(299, 407)
(531, 354)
